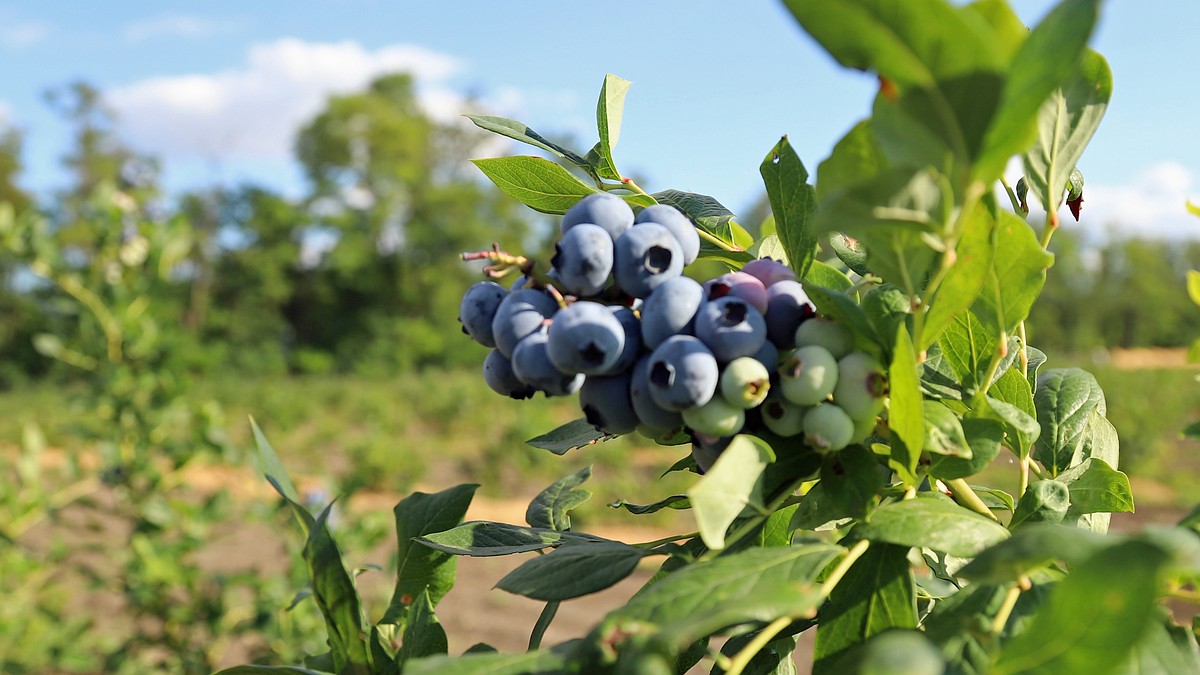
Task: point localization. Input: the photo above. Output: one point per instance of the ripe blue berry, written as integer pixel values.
(670, 310)
(788, 306)
(583, 259)
(679, 225)
(646, 255)
(606, 210)
(585, 338)
(498, 374)
(519, 314)
(532, 365)
(478, 309)
(730, 328)
(606, 404)
(683, 373)
(655, 420)
(633, 340)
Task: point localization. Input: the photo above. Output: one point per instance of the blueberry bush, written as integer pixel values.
(837, 393)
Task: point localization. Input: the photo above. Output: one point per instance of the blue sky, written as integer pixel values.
(216, 89)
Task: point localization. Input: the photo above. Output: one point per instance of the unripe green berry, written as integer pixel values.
(808, 375)
(715, 418)
(782, 417)
(745, 382)
(827, 333)
(863, 428)
(827, 428)
(861, 386)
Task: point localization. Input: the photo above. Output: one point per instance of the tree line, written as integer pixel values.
(361, 273)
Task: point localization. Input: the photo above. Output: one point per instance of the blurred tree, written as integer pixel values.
(390, 186)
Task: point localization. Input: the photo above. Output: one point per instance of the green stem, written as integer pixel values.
(742, 659)
(1006, 608)
(715, 241)
(1023, 483)
(1049, 228)
(634, 187)
(54, 502)
(949, 259)
(1012, 197)
(965, 495)
(543, 622)
(667, 540)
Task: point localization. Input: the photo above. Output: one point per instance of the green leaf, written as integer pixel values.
(335, 594)
(851, 252)
(1093, 618)
(769, 247)
(608, 123)
(272, 469)
(1012, 387)
(1043, 63)
(968, 348)
(1065, 124)
(570, 436)
(1030, 548)
(944, 432)
(519, 132)
(1193, 285)
(964, 282)
(887, 308)
(483, 538)
(424, 635)
(1022, 428)
(712, 217)
(551, 507)
(1065, 399)
(850, 480)
(270, 670)
(896, 216)
(984, 437)
(678, 502)
(821, 274)
(909, 43)
(1045, 501)
(537, 183)
(754, 585)
(877, 594)
(856, 158)
(818, 508)
(419, 568)
(1096, 487)
(906, 411)
(932, 523)
(840, 307)
(1165, 649)
(777, 530)
(793, 202)
(733, 483)
(1015, 278)
(572, 570)
(555, 660)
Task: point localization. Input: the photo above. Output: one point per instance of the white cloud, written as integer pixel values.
(253, 111)
(22, 34)
(176, 25)
(5, 114)
(1151, 205)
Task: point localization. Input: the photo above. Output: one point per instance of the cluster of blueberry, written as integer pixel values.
(660, 351)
